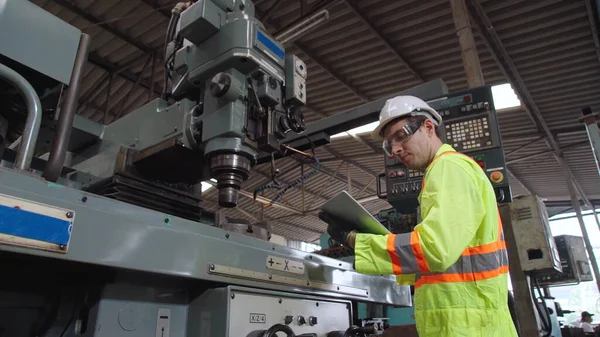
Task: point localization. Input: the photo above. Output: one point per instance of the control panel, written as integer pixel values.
(536, 249)
(574, 262)
(470, 127)
(245, 311)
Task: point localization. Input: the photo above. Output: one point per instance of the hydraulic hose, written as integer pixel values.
(545, 315)
(271, 332)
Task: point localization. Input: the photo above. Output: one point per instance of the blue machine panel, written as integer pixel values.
(29, 225)
(34, 225)
(269, 44)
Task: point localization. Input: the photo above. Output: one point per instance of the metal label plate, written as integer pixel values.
(288, 266)
(258, 318)
(34, 225)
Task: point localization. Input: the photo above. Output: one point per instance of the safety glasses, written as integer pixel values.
(401, 136)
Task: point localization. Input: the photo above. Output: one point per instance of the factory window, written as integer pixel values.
(585, 295)
(504, 98)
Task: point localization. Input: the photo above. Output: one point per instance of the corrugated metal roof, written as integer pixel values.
(549, 41)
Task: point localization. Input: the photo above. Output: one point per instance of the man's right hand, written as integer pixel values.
(335, 227)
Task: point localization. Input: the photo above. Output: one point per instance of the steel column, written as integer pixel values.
(591, 126)
(577, 207)
(60, 142)
(522, 292)
(593, 17)
(468, 48)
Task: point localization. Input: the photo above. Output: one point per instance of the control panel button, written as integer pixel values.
(288, 319)
(392, 174)
(301, 320)
(400, 173)
(312, 320)
(496, 176)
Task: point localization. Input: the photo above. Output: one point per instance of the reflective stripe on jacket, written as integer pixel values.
(456, 257)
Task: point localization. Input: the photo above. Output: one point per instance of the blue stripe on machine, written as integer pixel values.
(270, 44)
(29, 225)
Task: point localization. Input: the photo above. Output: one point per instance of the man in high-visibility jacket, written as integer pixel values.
(456, 256)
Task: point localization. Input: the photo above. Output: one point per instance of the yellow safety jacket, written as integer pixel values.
(456, 257)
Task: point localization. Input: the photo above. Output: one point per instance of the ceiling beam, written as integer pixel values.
(312, 55)
(520, 181)
(354, 8)
(286, 182)
(593, 17)
(495, 46)
(98, 22)
(253, 217)
(110, 67)
(164, 11)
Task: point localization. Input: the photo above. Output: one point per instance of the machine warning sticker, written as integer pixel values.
(288, 266)
(258, 318)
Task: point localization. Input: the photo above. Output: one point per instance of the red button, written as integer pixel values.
(467, 99)
(392, 174)
(497, 176)
(481, 164)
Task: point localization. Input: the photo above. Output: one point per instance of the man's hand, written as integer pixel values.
(337, 230)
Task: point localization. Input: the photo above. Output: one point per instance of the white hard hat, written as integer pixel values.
(401, 106)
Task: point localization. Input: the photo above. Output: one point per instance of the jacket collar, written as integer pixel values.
(444, 148)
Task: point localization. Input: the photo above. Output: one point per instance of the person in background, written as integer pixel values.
(586, 323)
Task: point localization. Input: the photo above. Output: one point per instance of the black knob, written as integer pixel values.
(288, 319)
(301, 320)
(312, 320)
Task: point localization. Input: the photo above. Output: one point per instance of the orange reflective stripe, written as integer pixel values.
(418, 252)
(484, 249)
(391, 249)
(465, 277)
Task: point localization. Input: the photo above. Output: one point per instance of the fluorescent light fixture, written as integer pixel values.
(503, 94)
(356, 131)
(206, 186)
(302, 27)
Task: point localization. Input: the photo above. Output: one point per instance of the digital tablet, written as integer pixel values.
(345, 207)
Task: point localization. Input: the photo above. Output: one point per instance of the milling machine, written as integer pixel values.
(116, 243)
(236, 93)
